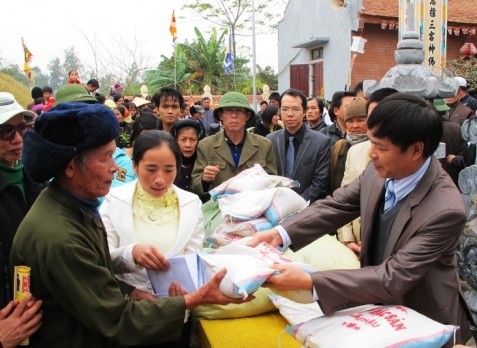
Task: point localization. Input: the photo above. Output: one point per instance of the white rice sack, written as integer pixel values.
(219, 239)
(246, 205)
(373, 326)
(245, 228)
(248, 268)
(285, 202)
(245, 273)
(296, 313)
(274, 256)
(252, 179)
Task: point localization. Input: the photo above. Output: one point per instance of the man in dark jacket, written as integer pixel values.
(63, 241)
(17, 190)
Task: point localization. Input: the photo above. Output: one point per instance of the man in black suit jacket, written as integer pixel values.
(311, 160)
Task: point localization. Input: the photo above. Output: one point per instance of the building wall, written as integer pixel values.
(307, 19)
(378, 55)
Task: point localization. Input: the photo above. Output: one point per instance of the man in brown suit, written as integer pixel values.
(409, 237)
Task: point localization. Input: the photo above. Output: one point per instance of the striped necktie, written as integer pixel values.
(389, 196)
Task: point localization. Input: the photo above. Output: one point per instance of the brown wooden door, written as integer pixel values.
(299, 78)
(317, 80)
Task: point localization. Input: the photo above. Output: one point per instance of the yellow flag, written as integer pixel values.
(173, 27)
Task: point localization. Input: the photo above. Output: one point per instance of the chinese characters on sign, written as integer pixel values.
(429, 18)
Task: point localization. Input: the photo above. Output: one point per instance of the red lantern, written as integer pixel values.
(468, 50)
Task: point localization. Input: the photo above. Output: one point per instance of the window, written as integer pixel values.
(317, 53)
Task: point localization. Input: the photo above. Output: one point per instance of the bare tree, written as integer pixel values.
(236, 15)
(119, 59)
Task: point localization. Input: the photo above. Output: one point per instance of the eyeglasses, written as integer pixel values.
(231, 111)
(293, 111)
(8, 131)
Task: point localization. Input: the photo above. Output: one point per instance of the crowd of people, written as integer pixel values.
(96, 190)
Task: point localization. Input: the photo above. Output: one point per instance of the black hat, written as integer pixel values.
(64, 132)
(185, 123)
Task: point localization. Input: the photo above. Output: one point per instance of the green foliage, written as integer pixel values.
(199, 63)
(17, 73)
(465, 67)
(267, 77)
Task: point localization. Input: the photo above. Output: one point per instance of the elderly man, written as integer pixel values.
(463, 96)
(63, 241)
(225, 154)
(412, 216)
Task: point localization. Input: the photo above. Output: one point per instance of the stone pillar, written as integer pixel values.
(266, 93)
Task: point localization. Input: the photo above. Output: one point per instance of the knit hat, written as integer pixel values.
(355, 108)
(10, 108)
(233, 100)
(64, 132)
(74, 93)
(185, 123)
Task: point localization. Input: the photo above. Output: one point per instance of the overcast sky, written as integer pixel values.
(51, 26)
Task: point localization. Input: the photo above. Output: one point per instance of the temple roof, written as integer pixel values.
(459, 11)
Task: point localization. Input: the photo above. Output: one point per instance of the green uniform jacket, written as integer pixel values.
(64, 243)
(214, 150)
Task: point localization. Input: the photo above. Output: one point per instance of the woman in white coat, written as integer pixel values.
(149, 219)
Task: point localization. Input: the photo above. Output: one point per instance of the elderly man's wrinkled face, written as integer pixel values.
(91, 177)
(11, 140)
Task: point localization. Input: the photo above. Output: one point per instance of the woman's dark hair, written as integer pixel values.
(145, 121)
(406, 119)
(152, 139)
(268, 113)
(121, 109)
(117, 96)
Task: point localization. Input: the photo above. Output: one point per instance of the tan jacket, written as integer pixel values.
(214, 150)
(356, 161)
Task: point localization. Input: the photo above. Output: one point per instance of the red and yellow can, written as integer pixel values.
(21, 288)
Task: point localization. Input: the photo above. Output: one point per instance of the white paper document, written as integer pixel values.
(185, 270)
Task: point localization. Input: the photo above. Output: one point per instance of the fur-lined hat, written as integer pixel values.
(64, 132)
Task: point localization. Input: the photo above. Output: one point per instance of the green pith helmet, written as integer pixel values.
(74, 93)
(233, 100)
